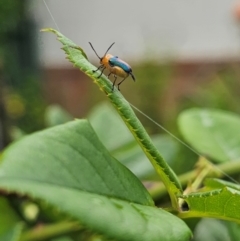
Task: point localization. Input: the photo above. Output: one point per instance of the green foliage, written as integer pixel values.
(119, 141)
(218, 199)
(12, 234)
(216, 230)
(10, 15)
(8, 217)
(55, 115)
(74, 149)
(213, 133)
(60, 162)
(109, 127)
(77, 172)
(19, 83)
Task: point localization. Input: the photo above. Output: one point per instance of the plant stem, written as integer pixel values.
(49, 231)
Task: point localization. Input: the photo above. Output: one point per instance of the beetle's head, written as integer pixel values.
(106, 56)
(105, 59)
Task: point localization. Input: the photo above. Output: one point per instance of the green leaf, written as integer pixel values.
(8, 217)
(56, 115)
(214, 133)
(13, 234)
(216, 230)
(109, 126)
(218, 199)
(71, 155)
(67, 167)
(115, 219)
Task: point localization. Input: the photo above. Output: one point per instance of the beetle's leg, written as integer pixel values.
(101, 66)
(121, 82)
(101, 72)
(133, 77)
(109, 74)
(115, 78)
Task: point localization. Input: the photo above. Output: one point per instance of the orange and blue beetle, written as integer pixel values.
(116, 66)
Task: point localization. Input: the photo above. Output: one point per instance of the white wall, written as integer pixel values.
(159, 29)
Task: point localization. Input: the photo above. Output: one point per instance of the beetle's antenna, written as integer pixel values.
(95, 51)
(109, 48)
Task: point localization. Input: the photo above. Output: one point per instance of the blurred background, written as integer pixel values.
(183, 54)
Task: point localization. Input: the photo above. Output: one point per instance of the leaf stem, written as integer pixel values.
(49, 231)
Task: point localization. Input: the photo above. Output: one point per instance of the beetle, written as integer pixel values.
(115, 65)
